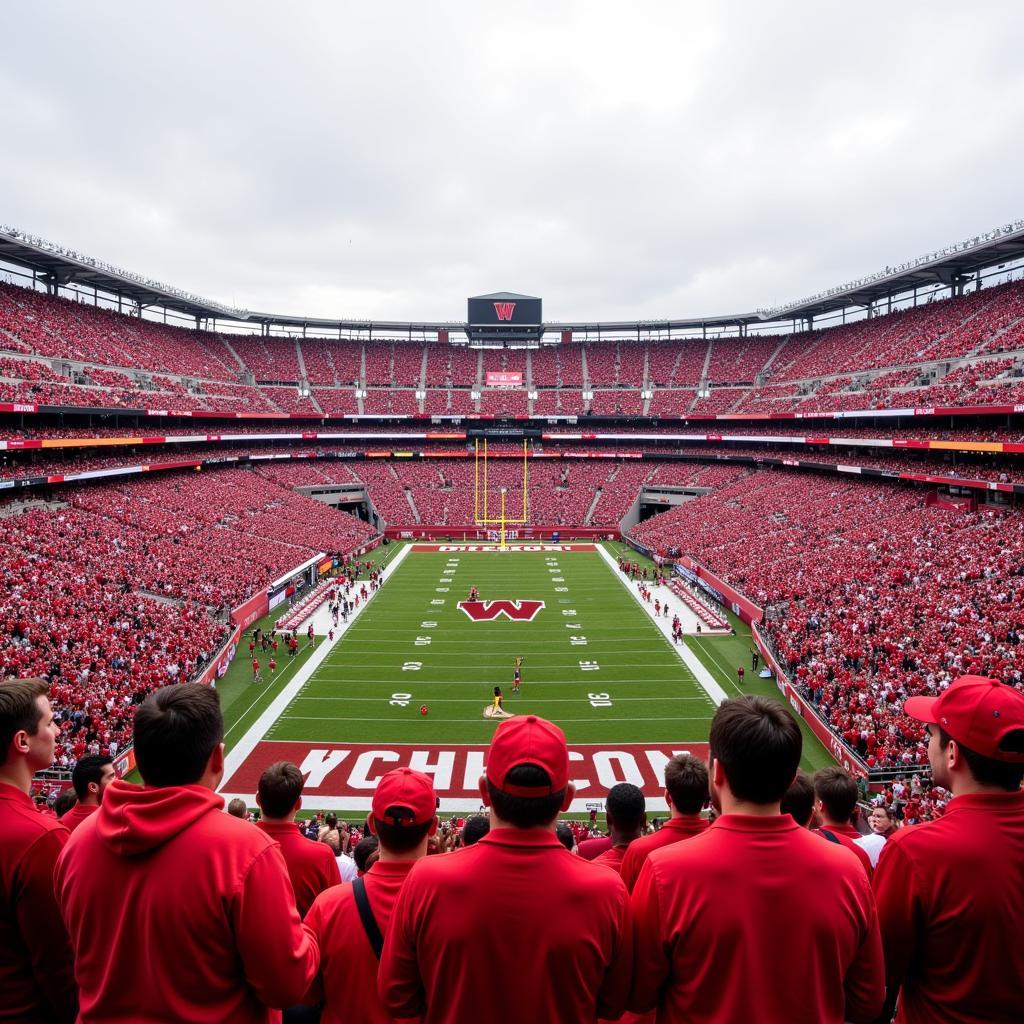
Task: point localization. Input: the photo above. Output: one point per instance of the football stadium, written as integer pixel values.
(417, 580)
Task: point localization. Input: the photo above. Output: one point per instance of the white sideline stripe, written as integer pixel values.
(688, 658)
(247, 744)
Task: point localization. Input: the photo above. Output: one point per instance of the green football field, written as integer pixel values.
(594, 661)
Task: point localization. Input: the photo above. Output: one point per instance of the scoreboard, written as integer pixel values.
(503, 317)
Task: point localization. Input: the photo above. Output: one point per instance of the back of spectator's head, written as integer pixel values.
(404, 810)
(363, 851)
(837, 792)
(686, 782)
(90, 776)
(279, 792)
(527, 781)
(66, 799)
(21, 711)
(798, 802)
(625, 807)
(331, 820)
(565, 836)
(178, 730)
(237, 808)
(757, 745)
(475, 829)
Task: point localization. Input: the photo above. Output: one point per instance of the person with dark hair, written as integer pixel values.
(686, 793)
(951, 891)
(793, 916)
(90, 777)
(366, 853)
(513, 927)
(311, 866)
(798, 802)
(237, 808)
(835, 801)
(64, 802)
(203, 927)
(350, 921)
(626, 812)
(882, 825)
(37, 982)
(476, 827)
(565, 836)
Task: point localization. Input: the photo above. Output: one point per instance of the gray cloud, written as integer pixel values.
(388, 160)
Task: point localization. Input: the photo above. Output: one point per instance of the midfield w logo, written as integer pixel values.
(504, 310)
(487, 611)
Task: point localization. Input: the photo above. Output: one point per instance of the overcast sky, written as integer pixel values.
(619, 160)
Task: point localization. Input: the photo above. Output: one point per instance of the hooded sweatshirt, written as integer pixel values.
(180, 912)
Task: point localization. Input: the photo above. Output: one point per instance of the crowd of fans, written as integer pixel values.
(332, 922)
(218, 365)
(872, 596)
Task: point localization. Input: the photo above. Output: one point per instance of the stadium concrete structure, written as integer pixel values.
(880, 423)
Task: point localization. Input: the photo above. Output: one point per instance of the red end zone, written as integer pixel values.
(511, 547)
(344, 775)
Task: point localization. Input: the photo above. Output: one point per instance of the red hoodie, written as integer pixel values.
(180, 912)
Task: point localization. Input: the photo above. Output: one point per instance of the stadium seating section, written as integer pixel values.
(871, 594)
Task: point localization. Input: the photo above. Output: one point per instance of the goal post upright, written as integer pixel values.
(481, 509)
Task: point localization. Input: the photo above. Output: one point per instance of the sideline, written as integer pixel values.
(704, 678)
(245, 746)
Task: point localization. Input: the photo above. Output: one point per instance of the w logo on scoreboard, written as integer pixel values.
(504, 310)
(488, 611)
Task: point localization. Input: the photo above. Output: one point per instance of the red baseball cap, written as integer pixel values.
(405, 790)
(527, 739)
(978, 712)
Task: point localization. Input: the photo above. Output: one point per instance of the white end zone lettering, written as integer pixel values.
(486, 548)
(342, 776)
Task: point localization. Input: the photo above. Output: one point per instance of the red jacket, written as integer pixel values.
(348, 965)
(511, 929)
(788, 917)
(951, 905)
(179, 911)
(36, 979)
(673, 831)
(77, 815)
(312, 866)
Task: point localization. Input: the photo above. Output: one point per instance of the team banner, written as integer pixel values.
(498, 379)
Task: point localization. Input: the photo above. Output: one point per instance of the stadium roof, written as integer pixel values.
(504, 296)
(949, 266)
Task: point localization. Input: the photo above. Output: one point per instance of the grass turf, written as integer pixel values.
(372, 685)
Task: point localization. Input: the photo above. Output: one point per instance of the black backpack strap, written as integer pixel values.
(830, 836)
(366, 916)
